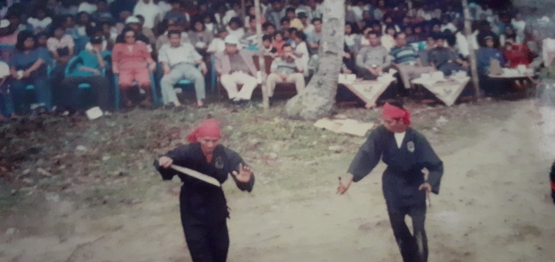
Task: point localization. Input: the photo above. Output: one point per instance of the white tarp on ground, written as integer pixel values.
(447, 90)
(344, 126)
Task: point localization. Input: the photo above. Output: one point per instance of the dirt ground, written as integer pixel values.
(107, 203)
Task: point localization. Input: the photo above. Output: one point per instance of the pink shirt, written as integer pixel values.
(9, 39)
(130, 59)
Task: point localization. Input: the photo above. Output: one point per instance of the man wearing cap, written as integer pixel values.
(179, 62)
(405, 152)
(202, 205)
(406, 60)
(235, 67)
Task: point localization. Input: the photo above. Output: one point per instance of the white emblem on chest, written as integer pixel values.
(410, 146)
(219, 163)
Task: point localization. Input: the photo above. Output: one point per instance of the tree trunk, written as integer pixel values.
(318, 98)
(472, 54)
(261, 60)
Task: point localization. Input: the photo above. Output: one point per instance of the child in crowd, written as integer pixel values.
(269, 49)
(278, 42)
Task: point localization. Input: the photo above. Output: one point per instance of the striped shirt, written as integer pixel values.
(404, 55)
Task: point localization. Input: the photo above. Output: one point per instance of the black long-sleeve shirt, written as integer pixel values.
(403, 176)
(200, 199)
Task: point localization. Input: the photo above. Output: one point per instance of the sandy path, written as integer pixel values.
(493, 206)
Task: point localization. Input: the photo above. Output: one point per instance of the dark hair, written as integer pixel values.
(285, 19)
(387, 27)
(126, 30)
(354, 27)
(289, 10)
(252, 17)
(451, 40)
(397, 34)
(372, 32)
(54, 27)
(292, 30)
(96, 40)
(21, 37)
(236, 20)
(435, 22)
(314, 20)
(40, 8)
(286, 45)
(267, 24)
(12, 14)
(438, 36)
(301, 35)
(201, 22)
(174, 32)
(266, 38)
(279, 32)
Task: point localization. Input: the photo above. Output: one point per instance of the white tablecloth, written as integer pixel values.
(369, 90)
(447, 90)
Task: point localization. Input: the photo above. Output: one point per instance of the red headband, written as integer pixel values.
(208, 127)
(395, 112)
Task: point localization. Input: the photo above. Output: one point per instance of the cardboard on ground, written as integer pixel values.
(344, 126)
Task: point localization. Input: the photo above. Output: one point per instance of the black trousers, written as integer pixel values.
(207, 241)
(100, 87)
(552, 182)
(414, 248)
(365, 74)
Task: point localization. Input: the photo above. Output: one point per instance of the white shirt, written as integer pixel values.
(228, 15)
(387, 41)
(239, 33)
(164, 8)
(217, 45)
(4, 69)
(86, 7)
(185, 53)
(449, 26)
(39, 24)
(462, 44)
(357, 11)
(149, 11)
(399, 137)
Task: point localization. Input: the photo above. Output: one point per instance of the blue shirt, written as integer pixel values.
(88, 59)
(484, 55)
(23, 61)
(403, 55)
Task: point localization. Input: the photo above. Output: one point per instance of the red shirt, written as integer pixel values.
(278, 46)
(518, 55)
(130, 58)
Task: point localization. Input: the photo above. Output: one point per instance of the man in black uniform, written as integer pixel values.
(405, 152)
(552, 181)
(203, 206)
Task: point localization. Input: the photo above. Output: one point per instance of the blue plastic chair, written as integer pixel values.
(75, 61)
(49, 69)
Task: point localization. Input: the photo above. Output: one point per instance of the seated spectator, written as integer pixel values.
(509, 32)
(235, 67)
(278, 42)
(235, 28)
(132, 61)
(218, 43)
(68, 7)
(388, 22)
(84, 24)
(209, 23)
(102, 13)
(377, 27)
(381, 10)
(61, 46)
(285, 23)
(293, 20)
(435, 26)
(275, 12)
(135, 24)
(39, 21)
(250, 39)
(288, 35)
(108, 33)
(315, 36)
(199, 37)
(349, 64)
(445, 59)
(179, 62)
(90, 72)
(28, 66)
(42, 39)
(446, 24)
(164, 38)
(269, 49)
(145, 31)
(405, 59)
(304, 21)
(268, 28)
(88, 6)
(372, 60)
(121, 9)
(516, 54)
(7, 36)
(485, 57)
(462, 42)
(16, 25)
(351, 36)
(417, 35)
(301, 50)
(387, 39)
(175, 15)
(286, 68)
(149, 10)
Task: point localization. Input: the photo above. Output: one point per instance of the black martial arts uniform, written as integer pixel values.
(203, 206)
(400, 183)
(552, 181)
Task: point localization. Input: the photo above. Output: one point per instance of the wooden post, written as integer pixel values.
(261, 60)
(243, 13)
(472, 55)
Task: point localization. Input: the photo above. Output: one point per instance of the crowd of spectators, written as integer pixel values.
(55, 46)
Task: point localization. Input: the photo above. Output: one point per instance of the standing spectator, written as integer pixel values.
(200, 38)
(218, 44)
(102, 14)
(88, 6)
(301, 50)
(132, 61)
(405, 59)
(175, 15)
(88, 71)
(179, 62)
(28, 66)
(314, 37)
(236, 66)
(285, 69)
(372, 60)
(149, 10)
(235, 28)
(275, 13)
(445, 59)
(39, 21)
(278, 42)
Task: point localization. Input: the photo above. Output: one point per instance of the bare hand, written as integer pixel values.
(203, 69)
(244, 174)
(152, 67)
(167, 71)
(283, 77)
(344, 185)
(96, 72)
(165, 162)
(115, 70)
(426, 187)
(26, 74)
